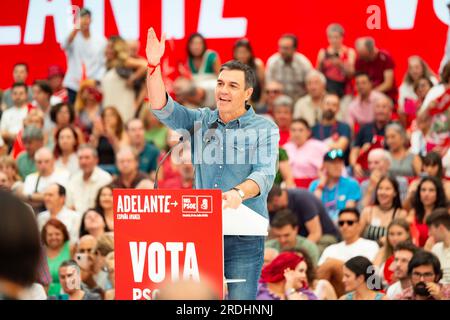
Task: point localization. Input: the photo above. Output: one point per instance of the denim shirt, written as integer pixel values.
(225, 155)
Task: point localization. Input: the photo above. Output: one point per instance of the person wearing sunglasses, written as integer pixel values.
(424, 269)
(273, 90)
(334, 256)
(335, 191)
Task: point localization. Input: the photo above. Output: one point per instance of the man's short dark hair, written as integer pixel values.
(85, 12)
(361, 74)
(293, 37)
(61, 190)
(406, 246)
(439, 216)
(350, 210)
(23, 64)
(425, 258)
(274, 192)
(44, 86)
(250, 78)
(18, 85)
(20, 246)
(284, 218)
(70, 263)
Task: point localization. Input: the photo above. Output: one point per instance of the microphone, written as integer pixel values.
(192, 130)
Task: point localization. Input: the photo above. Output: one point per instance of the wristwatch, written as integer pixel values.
(241, 193)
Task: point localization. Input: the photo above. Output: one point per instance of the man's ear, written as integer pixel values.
(248, 93)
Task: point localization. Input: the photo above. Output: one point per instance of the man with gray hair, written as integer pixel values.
(309, 106)
(70, 278)
(33, 139)
(127, 161)
(378, 64)
(83, 186)
(379, 162)
(46, 174)
(283, 107)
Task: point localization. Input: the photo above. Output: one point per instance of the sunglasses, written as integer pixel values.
(349, 222)
(335, 154)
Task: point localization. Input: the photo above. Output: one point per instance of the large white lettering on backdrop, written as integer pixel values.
(401, 15)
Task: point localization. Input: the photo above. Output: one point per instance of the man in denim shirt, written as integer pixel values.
(244, 169)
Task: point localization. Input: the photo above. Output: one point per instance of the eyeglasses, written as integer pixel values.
(426, 275)
(349, 222)
(334, 154)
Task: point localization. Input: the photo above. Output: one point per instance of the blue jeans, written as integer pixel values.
(244, 256)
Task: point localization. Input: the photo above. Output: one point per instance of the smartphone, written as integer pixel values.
(82, 260)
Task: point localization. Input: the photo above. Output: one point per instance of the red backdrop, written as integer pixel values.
(266, 20)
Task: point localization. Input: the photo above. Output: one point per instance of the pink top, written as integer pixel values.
(306, 161)
(362, 112)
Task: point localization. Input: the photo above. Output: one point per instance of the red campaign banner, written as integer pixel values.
(32, 30)
(161, 236)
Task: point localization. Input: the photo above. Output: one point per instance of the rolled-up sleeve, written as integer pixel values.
(264, 172)
(175, 116)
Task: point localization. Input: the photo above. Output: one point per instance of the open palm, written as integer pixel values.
(155, 48)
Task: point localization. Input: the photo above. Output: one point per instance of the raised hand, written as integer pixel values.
(155, 48)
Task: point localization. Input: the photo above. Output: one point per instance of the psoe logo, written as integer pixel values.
(189, 204)
(204, 204)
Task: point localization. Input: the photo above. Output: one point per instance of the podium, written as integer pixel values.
(162, 236)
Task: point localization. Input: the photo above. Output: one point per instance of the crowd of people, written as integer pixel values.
(359, 209)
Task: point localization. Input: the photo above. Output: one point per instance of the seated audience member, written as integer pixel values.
(352, 245)
(20, 251)
(335, 191)
(65, 151)
(34, 118)
(282, 116)
(110, 294)
(397, 231)
(334, 133)
(9, 167)
(20, 75)
(378, 64)
(429, 196)
(284, 229)
(387, 207)
(63, 115)
(46, 174)
(309, 107)
(313, 220)
(438, 223)
(33, 140)
(42, 100)
(128, 167)
(88, 106)
(84, 185)
(284, 279)
(273, 90)
(432, 167)
(104, 205)
(155, 131)
(148, 152)
(85, 258)
(92, 223)
(305, 153)
(360, 280)
(70, 274)
(108, 136)
(105, 245)
(56, 239)
(55, 78)
(424, 269)
(403, 253)
(370, 136)
(418, 70)
(289, 67)
(361, 108)
(404, 163)
(54, 200)
(379, 163)
(337, 61)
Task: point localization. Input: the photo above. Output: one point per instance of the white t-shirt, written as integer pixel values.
(344, 252)
(444, 257)
(34, 183)
(91, 53)
(12, 119)
(70, 218)
(72, 165)
(394, 290)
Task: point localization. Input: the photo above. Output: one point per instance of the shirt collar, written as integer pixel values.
(247, 116)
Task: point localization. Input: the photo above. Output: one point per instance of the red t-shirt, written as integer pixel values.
(375, 69)
(284, 137)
